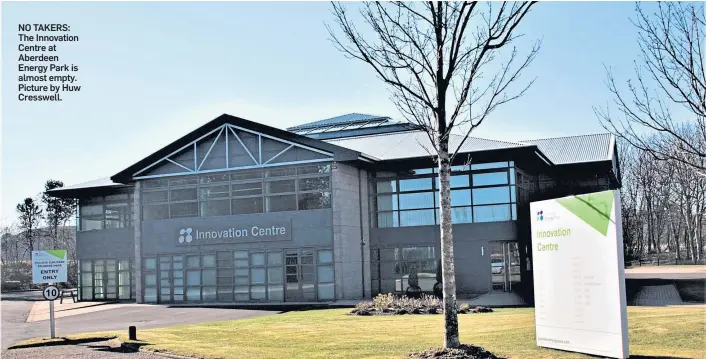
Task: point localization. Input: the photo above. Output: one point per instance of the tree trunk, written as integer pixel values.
(448, 271)
(676, 239)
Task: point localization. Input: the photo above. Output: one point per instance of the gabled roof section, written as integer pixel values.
(412, 144)
(577, 149)
(231, 143)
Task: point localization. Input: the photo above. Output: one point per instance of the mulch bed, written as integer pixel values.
(463, 352)
(414, 311)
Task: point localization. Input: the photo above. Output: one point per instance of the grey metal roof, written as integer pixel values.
(411, 144)
(102, 182)
(576, 149)
(338, 120)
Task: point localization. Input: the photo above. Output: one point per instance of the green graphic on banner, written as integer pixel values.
(58, 253)
(594, 209)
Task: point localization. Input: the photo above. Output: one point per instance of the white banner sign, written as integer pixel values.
(579, 278)
(49, 266)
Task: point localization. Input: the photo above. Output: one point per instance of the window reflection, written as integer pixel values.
(491, 178)
(494, 213)
(240, 192)
(457, 181)
(418, 184)
(461, 197)
(416, 218)
(483, 195)
(396, 264)
(417, 200)
(387, 202)
(491, 195)
(388, 219)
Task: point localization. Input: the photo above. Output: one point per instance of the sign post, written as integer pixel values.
(49, 266)
(50, 293)
(579, 275)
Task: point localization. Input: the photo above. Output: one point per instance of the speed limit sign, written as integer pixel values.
(51, 292)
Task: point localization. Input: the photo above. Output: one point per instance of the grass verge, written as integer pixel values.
(655, 332)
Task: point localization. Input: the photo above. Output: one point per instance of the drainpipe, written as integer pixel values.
(362, 238)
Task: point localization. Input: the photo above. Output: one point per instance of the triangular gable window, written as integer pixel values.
(230, 147)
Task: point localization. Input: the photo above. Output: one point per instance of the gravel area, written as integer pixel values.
(97, 350)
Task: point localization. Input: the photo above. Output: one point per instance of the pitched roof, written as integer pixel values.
(340, 153)
(411, 144)
(96, 187)
(102, 182)
(577, 149)
(347, 119)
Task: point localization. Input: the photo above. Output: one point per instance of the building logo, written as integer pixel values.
(546, 216)
(185, 235)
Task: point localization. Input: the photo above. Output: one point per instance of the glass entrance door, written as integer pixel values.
(504, 265)
(299, 275)
(171, 279)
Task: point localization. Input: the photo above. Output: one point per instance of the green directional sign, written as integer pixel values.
(593, 208)
(579, 275)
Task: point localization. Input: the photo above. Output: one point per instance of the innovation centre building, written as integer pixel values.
(343, 208)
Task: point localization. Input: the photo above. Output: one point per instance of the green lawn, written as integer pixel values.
(654, 331)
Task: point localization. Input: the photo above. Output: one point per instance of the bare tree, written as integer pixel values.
(57, 210)
(442, 62)
(664, 202)
(670, 77)
(10, 243)
(629, 199)
(29, 216)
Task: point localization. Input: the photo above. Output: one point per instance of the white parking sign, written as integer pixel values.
(49, 266)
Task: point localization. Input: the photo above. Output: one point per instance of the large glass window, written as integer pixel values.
(391, 268)
(228, 276)
(241, 192)
(114, 211)
(105, 279)
(480, 193)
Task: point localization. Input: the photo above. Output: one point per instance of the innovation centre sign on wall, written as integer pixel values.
(279, 231)
(579, 277)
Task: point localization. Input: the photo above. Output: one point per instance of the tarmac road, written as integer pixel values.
(16, 307)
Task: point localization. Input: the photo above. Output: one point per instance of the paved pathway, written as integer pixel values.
(98, 350)
(666, 272)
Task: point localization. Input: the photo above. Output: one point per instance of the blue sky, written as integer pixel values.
(151, 72)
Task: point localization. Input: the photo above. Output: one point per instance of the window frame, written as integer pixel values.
(297, 174)
(392, 180)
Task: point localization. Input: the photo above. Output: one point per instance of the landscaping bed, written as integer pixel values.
(389, 304)
(462, 352)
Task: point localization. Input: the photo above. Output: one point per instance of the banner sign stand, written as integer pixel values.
(579, 275)
(50, 267)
